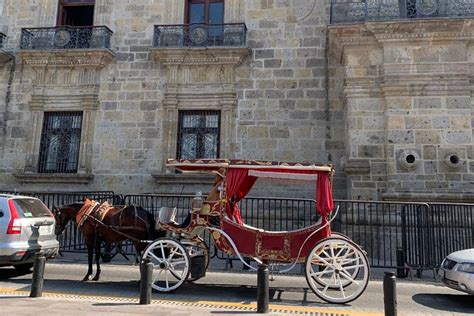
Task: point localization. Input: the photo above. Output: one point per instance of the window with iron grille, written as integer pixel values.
(60, 142)
(198, 134)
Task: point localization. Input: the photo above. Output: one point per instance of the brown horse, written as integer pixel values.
(118, 224)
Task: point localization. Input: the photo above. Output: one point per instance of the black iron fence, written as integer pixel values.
(394, 234)
(199, 34)
(66, 37)
(2, 39)
(350, 11)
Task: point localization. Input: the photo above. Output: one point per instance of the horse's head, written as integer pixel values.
(64, 214)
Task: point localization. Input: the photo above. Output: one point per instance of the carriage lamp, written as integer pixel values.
(465, 267)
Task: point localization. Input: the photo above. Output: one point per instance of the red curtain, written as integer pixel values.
(325, 204)
(238, 184)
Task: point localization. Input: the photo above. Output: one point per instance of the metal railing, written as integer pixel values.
(394, 234)
(200, 35)
(3, 37)
(353, 11)
(66, 37)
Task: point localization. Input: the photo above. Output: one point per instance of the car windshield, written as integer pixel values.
(31, 208)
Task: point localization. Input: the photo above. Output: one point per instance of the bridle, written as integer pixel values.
(60, 227)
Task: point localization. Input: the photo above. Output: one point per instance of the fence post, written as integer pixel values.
(263, 294)
(390, 293)
(401, 272)
(38, 273)
(146, 275)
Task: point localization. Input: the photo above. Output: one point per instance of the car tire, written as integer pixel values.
(24, 267)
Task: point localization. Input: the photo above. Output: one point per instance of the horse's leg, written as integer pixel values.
(90, 252)
(97, 259)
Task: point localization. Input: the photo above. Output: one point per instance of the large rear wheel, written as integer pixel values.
(337, 270)
(171, 264)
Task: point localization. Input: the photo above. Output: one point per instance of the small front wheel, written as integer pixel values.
(171, 264)
(337, 270)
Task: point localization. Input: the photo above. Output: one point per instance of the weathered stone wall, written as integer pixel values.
(279, 112)
(392, 112)
(409, 108)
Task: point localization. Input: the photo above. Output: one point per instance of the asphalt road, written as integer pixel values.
(120, 281)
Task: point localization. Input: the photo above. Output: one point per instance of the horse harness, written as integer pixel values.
(96, 212)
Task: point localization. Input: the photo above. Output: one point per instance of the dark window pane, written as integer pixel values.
(60, 142)
(198, 134)
(216, 13)
(197, 13)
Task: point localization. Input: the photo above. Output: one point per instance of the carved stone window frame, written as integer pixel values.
(39, 104)
(199, 79)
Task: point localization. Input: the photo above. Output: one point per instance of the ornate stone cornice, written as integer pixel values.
(24, 177)
(98, 58)
(200, 55)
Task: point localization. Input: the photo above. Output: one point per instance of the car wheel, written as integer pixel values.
(24, 267)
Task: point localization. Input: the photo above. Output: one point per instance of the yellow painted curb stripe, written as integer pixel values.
(218, 304)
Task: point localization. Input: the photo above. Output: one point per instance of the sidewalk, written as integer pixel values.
(217, 293)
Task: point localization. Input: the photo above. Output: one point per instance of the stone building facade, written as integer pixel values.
(389, 103)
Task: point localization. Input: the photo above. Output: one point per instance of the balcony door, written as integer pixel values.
(208, 12)
(76, 12)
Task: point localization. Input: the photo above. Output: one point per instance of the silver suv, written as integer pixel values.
(26, 228)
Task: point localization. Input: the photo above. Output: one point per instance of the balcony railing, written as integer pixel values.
(2, 39)
(353, 11)
(66, 37)
(200, 35)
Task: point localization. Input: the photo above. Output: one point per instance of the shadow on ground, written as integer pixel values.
(446, 302)
(245, 294)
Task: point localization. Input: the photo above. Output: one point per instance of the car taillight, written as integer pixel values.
(14, 227)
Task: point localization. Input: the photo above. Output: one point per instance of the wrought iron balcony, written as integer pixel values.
(66, 37)
(200, 35)
(2, 39)
(353, 11)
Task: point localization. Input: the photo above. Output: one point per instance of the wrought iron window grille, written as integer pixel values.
(353, 11)
(60, 142)
(198, 134)
(200, 35)
(3, 37)
(66, 37)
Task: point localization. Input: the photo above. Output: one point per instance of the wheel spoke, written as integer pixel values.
(175, 274)
(163, 252)
(172, 254)
(325, 271)
(157, 275)
(155, 257)
(344, 274)
(323, 260)
(166, 280)
(178, 262)
(340, 286)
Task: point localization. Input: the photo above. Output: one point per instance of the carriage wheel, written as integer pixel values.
(200, 248)
(337, 270)
(171, 264)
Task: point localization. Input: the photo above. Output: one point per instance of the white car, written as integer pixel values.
(457, 271)
(26, 228)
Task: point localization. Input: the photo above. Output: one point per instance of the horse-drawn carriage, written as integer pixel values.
(336, 269)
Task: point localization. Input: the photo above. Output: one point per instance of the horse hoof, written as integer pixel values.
(96, 278)
(86, 278)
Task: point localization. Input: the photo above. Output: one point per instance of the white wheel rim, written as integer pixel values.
(170, 264)
(345, 270)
